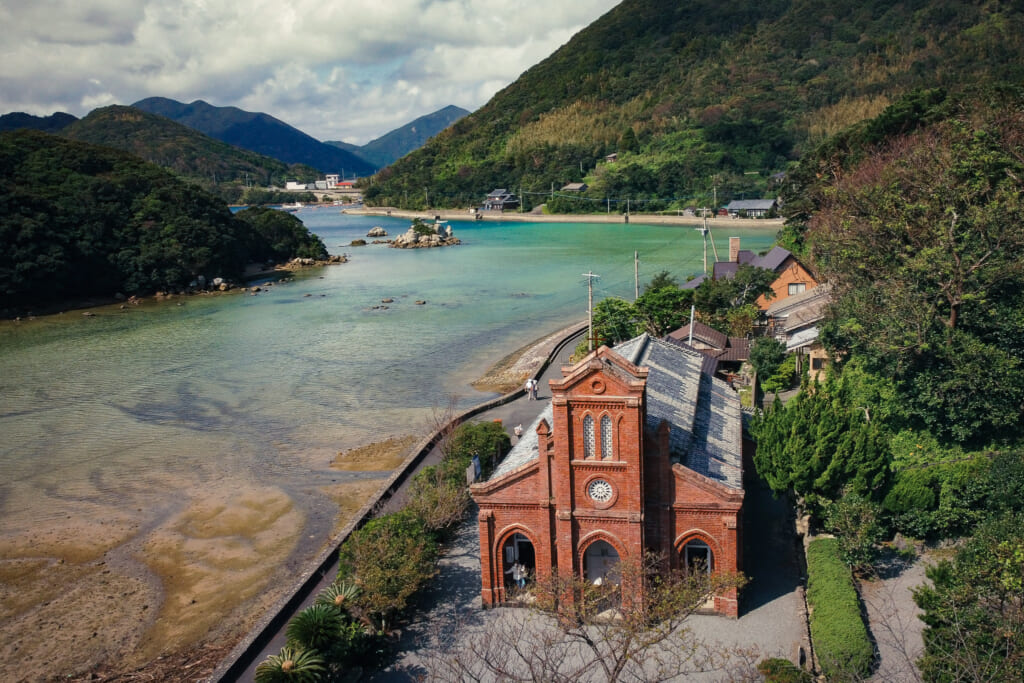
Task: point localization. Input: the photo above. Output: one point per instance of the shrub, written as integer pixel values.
(777, 670)
(292, 665)
(838, 630)
(315, 628)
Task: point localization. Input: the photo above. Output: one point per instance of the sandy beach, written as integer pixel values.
(768, 224)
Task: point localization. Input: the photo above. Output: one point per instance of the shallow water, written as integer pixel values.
(136, 415)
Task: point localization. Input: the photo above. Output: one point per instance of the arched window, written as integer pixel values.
(588, 437)
(606, 438)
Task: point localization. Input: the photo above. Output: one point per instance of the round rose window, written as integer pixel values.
(600, 491)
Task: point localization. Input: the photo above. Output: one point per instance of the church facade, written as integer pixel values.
(639, 450)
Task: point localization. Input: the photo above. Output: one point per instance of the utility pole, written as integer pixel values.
(636, 275)
(590, 309)
(705, 233)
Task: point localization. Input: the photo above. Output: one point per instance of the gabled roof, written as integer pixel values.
(702, 411)
(575, 187)
(751, 204)
(702, 333)
(774, 258)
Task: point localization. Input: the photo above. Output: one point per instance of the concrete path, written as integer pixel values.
(893, 618)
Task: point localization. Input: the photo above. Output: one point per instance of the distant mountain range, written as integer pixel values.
(180, 149)
(260, 133)
(48, 124)
(392, 146)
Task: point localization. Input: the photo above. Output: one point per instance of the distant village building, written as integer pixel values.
(751, 208)
(575, 187)
(332, 180)
(794, 322)
(791, 276)
(293, 185)
(728, 352)
(501, 199)
(612, 158)
(640, 449)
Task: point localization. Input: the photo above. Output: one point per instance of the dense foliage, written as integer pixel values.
(701, 95)
(974, 609)
(838, 630)
(920, 235)
(80, 221)
(278, 236)
(216, 166)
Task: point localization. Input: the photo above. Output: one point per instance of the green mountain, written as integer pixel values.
(82, 221)
(200, 159)
(703, 96)
(396, 144)
(258, 132)
(48, 124)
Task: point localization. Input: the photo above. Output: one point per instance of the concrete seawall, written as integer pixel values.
(243, 656)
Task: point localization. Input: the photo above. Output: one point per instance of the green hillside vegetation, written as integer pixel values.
(215, 166)
(702, 94)
(81, 221)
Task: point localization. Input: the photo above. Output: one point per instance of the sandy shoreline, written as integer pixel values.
(774, 224)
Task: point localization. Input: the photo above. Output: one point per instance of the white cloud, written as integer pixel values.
(341, 69)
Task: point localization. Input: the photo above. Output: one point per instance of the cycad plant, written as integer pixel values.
(339, 594)
(316, 627)
(292, 665)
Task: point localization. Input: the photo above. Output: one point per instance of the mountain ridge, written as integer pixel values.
(395, 144)
(258, 132)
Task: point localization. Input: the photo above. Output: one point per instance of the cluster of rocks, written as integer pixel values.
(377, 231)
(413, 239)
(297, 263)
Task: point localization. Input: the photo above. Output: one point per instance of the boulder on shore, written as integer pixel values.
(377, 231)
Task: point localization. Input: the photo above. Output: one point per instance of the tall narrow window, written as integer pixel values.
(606, 438)
(588, 437)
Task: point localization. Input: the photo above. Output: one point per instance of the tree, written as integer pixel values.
(974, 611)
(389, 559)
(659, 311)
(766, 355)
(661, 279)
(614, 321)
(716, 299)
(603, 633)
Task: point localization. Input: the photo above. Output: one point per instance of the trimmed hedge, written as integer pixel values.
(838, 631)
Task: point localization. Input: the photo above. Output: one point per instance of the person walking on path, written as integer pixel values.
(531, 389)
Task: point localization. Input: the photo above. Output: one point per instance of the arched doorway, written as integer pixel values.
(601, 563)
(518, 550)
(697, 557)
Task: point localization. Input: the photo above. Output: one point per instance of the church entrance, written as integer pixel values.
(520, 562)
(601, 563)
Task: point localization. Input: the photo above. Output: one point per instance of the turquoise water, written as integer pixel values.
(138, 413)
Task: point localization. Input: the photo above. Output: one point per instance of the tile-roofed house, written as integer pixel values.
(794, 322)
(791, 276)
(640, 449)
(753, 208)
(727, 351)
(500, 199)
(575, 187)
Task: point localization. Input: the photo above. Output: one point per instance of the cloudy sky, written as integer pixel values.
(337, 69)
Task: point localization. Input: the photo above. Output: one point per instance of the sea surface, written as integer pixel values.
(136, 414)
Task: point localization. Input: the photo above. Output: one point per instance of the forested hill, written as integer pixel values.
(188, 153)
(258, 132)
(82, 221)
(691, 94)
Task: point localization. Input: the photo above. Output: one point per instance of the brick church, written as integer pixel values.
(640, 448)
